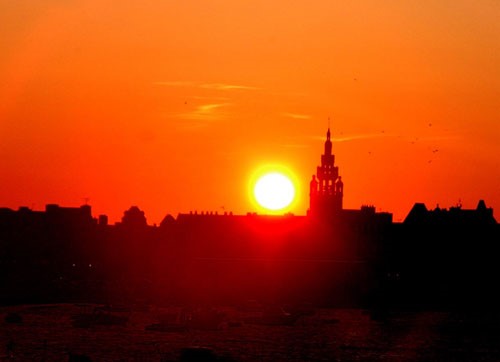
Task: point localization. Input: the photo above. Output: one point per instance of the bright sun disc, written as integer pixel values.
(274, 191)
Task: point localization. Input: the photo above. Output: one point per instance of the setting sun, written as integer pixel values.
(274, 191)
(172, 105)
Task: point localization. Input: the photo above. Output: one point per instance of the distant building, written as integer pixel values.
(54, 215)
(134, 218)
(454, 216)
(326, 189)
(332, 256)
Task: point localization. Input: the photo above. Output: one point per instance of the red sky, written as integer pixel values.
(173, 105)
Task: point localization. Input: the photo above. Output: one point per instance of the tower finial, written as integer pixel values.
(328, 132)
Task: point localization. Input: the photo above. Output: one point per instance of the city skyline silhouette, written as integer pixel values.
(326, 191)
(326, 181)
(332, 256)
(228, 181)
(143, 114)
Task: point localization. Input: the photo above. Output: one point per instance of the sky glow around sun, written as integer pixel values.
(172, 105)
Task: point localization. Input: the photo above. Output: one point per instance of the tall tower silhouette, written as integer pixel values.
(326, 187)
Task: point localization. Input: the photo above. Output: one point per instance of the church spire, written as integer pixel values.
(328, 143)
(326, 187)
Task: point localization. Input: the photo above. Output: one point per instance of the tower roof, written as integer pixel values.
(328, 143)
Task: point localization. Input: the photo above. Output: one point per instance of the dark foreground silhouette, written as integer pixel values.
(224, 287)
(439, 258)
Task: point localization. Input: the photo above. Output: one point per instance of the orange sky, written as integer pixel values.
(172, 105)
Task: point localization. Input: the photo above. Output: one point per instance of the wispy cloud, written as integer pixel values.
(211, 98)
(215, 86)
(297, 116)
(205, 112)
(180, 83)
(355, 137)
(224, 86)
(363, 136)
(209, 108)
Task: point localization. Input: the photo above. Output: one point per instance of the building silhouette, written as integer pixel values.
(326, 189)
(331, 256)
(454, 216)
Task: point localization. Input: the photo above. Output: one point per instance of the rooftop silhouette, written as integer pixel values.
(331, 256)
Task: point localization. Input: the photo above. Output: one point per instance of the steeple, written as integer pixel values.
(328, 143)
(326, 187)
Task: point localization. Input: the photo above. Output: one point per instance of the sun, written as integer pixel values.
(274, 191)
